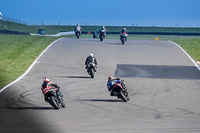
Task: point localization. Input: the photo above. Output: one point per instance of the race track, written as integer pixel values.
(163, 85)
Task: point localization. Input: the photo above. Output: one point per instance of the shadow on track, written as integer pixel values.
(32, 108)
(115, 43)
(100, 100)
(74, 76)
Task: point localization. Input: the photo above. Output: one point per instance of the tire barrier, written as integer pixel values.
(13, 32)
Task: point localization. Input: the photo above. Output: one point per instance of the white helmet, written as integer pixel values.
(91, 55)
(124, 28)
(45, 79)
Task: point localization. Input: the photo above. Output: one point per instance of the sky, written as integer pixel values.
(105, 12)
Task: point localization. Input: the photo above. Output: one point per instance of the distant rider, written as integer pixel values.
(111, 82)
(123, 31)
(91, 58)
(49, 84)
(102, 28)
(77, 29)
(95, 35)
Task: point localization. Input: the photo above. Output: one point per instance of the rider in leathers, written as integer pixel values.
(77, 28)
(92, 59)
(102, 28)
(123, 31)
(49, 84)
(111, 82)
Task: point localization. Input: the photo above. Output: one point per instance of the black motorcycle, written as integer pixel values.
(119, 90)
(78, 34)
(91, 69)
(55, 98)
(102, 35)
(123, 37)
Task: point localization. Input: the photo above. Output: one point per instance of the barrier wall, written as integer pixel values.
(13, 32)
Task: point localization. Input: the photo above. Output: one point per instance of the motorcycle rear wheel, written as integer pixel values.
(54, 102)
(92, 73)
(78, 35)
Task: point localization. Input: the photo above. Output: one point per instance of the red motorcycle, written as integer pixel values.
(123, 37)
(54, 97)
(119, 90)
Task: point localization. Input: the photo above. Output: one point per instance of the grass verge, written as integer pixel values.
(191, 46)
(17, 53)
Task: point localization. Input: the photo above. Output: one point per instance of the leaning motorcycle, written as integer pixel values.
(102, 35)
(53, 98)
(123, 37)
(120, 90)
(91, 69)
(78, 33)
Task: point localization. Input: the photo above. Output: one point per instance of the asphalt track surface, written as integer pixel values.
(163, 85)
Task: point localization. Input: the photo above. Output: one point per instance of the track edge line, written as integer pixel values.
(186, 54)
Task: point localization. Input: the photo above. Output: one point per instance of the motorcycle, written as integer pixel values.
(119, 90)
(54, 98)
(91, 69)
(78, 33)
(123, 37)
(102, 35)
(95, 36)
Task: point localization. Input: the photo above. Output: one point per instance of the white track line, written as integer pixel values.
(29, 67)
(186, 54)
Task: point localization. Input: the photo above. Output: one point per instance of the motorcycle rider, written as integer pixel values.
(102, 28)
(91, 58)
(49, 84)
(95, 35)
(77, 29)
(111, 82)
(123, 31)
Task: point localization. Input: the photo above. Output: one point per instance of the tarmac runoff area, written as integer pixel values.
(163, 85)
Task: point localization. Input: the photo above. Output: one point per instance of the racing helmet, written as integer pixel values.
(110, 77)
(45, 79)
(77, 24)
(124, 29)
(91, 55)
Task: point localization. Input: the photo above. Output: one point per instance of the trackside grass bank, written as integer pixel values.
(191, 46)
(17, 52)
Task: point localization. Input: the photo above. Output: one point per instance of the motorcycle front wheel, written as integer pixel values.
(78, 35)
(123, 40)
(101, 38)
(124, 98)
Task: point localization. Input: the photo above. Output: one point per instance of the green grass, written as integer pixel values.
(6, 25)
(191, 46)
(17, 53)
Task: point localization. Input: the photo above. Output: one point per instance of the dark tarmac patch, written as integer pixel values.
(157, 71)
